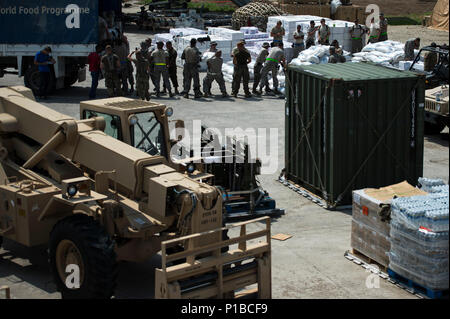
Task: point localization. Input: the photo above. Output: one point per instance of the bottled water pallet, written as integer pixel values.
(392, 277)
(307, 194)
(419, 289)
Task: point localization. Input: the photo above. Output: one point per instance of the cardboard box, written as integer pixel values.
(370, 227)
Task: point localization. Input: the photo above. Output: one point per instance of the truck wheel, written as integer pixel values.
(70, 80)
(32, 80)
(80, 240)
(431, 128)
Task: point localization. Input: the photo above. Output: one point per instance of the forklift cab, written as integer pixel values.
(141, 124)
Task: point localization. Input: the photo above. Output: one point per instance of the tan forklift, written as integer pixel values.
(95, 201)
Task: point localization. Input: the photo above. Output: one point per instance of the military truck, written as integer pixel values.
(95, 201)
(70, 27)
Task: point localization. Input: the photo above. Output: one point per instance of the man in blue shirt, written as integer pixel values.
(43, 60)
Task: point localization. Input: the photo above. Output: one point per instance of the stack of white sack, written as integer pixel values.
(385, 53)
(388, 53)
(315, 55)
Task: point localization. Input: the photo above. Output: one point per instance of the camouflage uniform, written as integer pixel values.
(241, 71)
(383, 30)
(192, 57)
(142, 78)
(173, 67)
(159, 61)
(260, 60)
(112, 80)
(324, 37)
(357, 33)
(122, 52)
(271, 65)
(336, 58)
(214, 73)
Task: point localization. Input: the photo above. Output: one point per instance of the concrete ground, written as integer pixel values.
(311, 264)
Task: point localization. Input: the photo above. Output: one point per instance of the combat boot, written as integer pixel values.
(176, 91)
(171, 94)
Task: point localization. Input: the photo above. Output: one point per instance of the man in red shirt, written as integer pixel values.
(94, 67)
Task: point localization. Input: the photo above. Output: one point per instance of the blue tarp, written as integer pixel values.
(48, 21)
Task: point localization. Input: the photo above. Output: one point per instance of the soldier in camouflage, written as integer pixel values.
(110, 66)
(241, 59)
(214, 72)
(192, 58)
(159, 60)
(142, 74)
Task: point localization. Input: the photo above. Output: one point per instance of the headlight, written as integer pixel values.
(191, 168)
(72, 190)
(169, 112)
(133, 120)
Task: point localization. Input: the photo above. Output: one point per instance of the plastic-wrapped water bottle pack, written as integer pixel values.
(433, 185)
(419, 235)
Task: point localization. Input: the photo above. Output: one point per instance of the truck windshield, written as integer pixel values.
(148, 134)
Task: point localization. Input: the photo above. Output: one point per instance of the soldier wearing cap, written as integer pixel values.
(160, 59)
(214, 72)
(192, 57)
(213, 47)
(241, 59)
(172, 65)
(260, 60)
(383, 28)
(110, 66)
(275, 57)
(142, 74)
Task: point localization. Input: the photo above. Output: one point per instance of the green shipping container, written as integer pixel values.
(351, 126)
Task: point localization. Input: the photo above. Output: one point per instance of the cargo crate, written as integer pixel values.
(351, 126)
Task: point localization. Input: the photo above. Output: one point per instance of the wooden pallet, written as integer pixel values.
(417, 288)
(368, 260)
(367, 263)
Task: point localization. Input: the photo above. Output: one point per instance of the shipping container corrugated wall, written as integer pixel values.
(351, 126)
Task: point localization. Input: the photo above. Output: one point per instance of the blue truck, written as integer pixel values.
(69, 27)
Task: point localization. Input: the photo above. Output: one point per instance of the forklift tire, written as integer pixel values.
(433, 129)
(80, 240)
